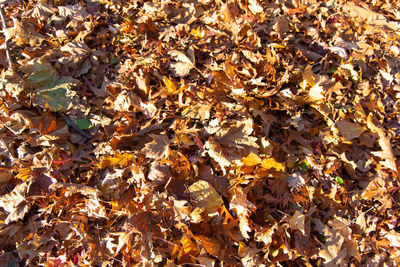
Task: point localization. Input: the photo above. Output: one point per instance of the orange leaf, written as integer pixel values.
(120, 159)
(210, 244)
(189, 250)
(251, 160)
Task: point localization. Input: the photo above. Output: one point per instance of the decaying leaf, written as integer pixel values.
(51, 91)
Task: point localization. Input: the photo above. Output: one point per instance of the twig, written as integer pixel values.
(4, 24)
(75, 127)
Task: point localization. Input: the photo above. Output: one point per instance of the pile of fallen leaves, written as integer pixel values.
(200, 133)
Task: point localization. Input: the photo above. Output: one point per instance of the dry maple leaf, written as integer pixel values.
(238, 137)
(158, 148)
(199, 111)
(23, 35)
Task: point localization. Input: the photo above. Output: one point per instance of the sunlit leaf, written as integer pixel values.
(251, 160)
(51, 91)
(117, 159)
(271, 163)
(24, 174)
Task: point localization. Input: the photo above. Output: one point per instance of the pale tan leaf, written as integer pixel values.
(77, 12)
(243, 209)
(316, 93)
(199, 111)
(23, 34)
(183, 64)
(14, 203)
(215, 151)
(392, 236)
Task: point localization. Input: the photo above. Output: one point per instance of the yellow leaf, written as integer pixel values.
(120, 159)
(197, 33)
(205, 196)
(271, 163)
(24, 174)
(251, 160)
(172, 86)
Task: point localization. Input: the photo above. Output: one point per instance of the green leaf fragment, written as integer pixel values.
(303, 166)
(331, 70)
(83, 124)
(339, 180)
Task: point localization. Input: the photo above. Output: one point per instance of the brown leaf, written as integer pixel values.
(158, 148)
(210, 244)
(349, 130)
(24, 34)
(297, 222)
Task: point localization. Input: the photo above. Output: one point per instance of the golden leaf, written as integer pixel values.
(205, 196)
(251, 160)
(271, 163)
(117, 159)
(24, 174)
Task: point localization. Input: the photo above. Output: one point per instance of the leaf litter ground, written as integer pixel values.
(221, 133)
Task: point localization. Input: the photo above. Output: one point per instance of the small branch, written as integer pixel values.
(4, 24)
(75, 127)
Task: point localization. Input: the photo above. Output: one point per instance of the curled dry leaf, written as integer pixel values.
(243, 209)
